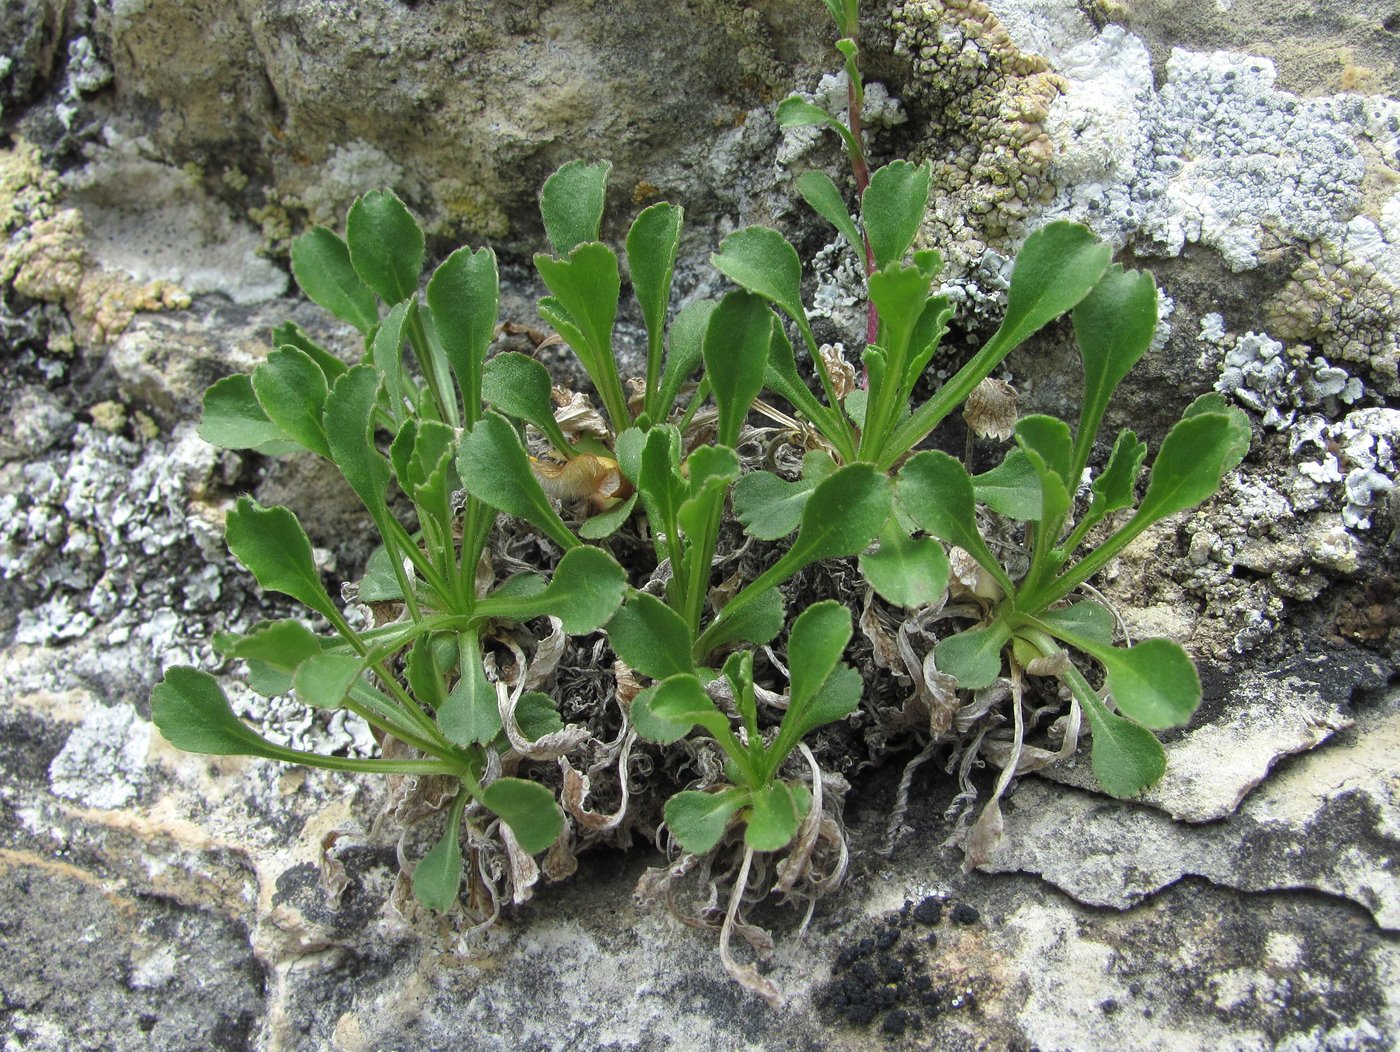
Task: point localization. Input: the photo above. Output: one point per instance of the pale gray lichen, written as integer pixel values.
(103, 762)
(1275, 382)
(879, 110)
(1217, 156)
(1360, 454)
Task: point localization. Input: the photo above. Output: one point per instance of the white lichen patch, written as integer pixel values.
(154, 221)
(1358, 455)
(1276, 383)
(103, 762)
(1217, 156)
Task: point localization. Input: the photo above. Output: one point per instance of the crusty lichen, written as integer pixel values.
(1344, 298)
(45, 258)
(983, 103)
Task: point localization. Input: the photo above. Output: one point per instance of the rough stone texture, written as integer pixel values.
(152, 899)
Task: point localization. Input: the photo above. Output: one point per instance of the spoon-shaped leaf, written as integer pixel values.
(291, 389)
(386, 245)
(821, 193)
(1193, 459)
(437, 878)
(321, 264)
(528, 808)
(272, 545)
(233, 419)
(759, 622)
(936, 492)
(495, 469)
(586, 589)
(666, 712)
(761, 260)
(521, 387)
(1012, 488)
(349, 423)
(1054, 270)
(1126, 758)
(906, 571)
(893, 206)
(684, 352)
(571, 204)
(1154, 682)
(651, 637)
(273, 651)
(464, 298)
(652, 244)
(818, 638)
(736, 357)
(324, 680)
(775, 812)
(770, 507)
(1114, 325)
(973, 657)
(698, 820)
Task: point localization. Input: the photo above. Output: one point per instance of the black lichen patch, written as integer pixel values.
(884, 974)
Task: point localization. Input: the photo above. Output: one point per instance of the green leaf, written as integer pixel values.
(760, 259)
(464, 299)
(585, 590)
(973, 657)
(1084, 619)
(652, 244)
(796, 112)
(900, 294)
(936, 492)
(684, 354)
(775, 812)
(272, 545)
(818, 190)
(528, 808)
(437, 878)
(423, 673)
(906, 571)
(769, 507)
(815, 645)
(1153, 682)
(233, 419)
(387, 354)
(290, 334)
(521, 387)
(292, 391)
(893, 207)
(666, 712)
(1050, 439)
(838, 697)
(1113, 489)
(386, 246)
(324, 680)
(321, 264)
(758, 623)
(1055, 269)
(495, 469)
(1126, 758)
(583, 309)
(536, 715)
(571, 204)
(349, 420)
(843, 515)
(193, 714)
(711, 462)
(1194, 457)
(651, 637)
(736, 357)
(380, 584)
(1114, 325)
(698, 820)
(606, 523)
(1239, 445)
(470, 714)
(273, 650)
(1012, 488)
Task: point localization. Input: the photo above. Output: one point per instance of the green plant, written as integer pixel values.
(421, 430)
(1153, 682)
(433, 438)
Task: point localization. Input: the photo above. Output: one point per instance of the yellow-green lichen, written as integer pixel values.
(983, 103)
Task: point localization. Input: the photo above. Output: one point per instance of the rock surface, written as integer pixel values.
(151, 899)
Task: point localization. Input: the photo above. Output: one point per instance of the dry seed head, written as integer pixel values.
(990, 409)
